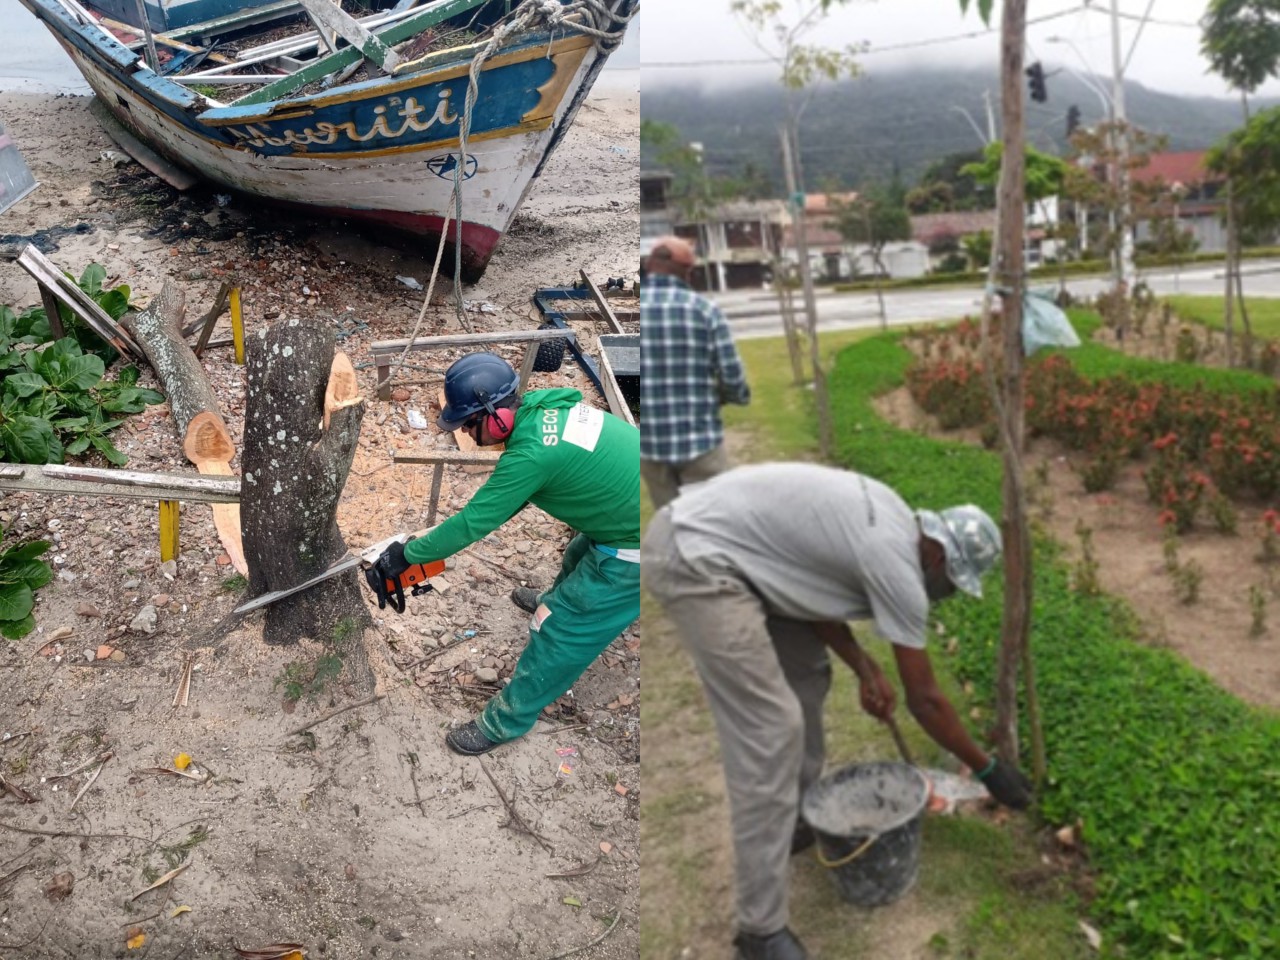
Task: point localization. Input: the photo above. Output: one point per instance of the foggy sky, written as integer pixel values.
(1167, 56)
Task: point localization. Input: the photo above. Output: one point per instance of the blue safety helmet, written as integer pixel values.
(477, 383)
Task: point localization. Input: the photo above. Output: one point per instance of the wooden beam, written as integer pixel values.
(385, 350)
(161, 39)
(453, 458)
(612, 391)
(59, 480)
(79, 302)
(329, 16)
(602, 302)
(177, 177)
(404, 30)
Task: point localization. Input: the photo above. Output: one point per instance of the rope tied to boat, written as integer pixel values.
(592, 17)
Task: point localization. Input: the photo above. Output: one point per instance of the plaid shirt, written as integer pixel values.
(688, 367)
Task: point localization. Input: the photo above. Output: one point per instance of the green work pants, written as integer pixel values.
(595, 597)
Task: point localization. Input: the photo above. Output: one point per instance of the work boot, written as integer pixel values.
(782, 945)
(802, 838)
(469, 740)
(526, 598)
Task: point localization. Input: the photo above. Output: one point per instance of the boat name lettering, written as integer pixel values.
(326, 134)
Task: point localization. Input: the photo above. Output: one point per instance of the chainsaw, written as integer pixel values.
(387, 589)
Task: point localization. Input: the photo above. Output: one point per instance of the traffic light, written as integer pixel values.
(1073, 119)
(1035, 75)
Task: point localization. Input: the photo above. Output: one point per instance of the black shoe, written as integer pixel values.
(526, 598)
(782, 945)
(468, 740)
(802, 838)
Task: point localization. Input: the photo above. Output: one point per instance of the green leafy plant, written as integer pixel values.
(1257, 611)
(22, 573)
(56, 403)
(308, 678)
(1169, 545)
(1186, 582)
(1085, 571)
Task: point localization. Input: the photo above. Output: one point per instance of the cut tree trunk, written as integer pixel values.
(205, 438)
(302, 422)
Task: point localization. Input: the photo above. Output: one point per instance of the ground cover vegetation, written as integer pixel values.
(54, 398)
(1170, 779)
(56, 402)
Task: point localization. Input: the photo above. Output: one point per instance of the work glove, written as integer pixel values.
(392, 563)
(1007, 784)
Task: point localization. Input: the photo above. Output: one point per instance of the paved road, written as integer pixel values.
(754, 313)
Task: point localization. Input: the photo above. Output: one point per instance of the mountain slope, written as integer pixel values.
(864, 129)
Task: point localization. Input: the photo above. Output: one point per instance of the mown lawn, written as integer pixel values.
(1264, 313)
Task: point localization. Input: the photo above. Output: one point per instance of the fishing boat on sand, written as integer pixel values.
(427, 118)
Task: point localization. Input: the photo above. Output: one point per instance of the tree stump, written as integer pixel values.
(302, 422)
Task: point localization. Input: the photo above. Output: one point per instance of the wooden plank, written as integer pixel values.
(51, 311)
(44, 272)
(452, 458)
(602, 302)
(385, 350)
(171, 174)
(612, 392)
(161, 39)
(329, 16)
(59, 480)
(245, 18)
(404, 30)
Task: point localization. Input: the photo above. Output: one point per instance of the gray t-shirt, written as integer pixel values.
(815, 542)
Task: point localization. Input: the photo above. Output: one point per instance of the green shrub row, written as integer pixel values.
(1174, 779)
(1050, 272)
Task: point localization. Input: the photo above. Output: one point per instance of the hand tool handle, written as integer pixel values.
(899, 740)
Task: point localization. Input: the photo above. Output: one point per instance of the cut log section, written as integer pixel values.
(208, 445)
(205, 438)
(343, 389)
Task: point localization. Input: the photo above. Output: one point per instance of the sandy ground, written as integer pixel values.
(372, 839)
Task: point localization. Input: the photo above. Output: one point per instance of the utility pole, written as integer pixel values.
(1122, 152)
(991, 117)
(789, 167)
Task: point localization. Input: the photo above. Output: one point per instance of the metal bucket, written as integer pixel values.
(868, 820)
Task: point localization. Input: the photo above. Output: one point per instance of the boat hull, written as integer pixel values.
(382, 152)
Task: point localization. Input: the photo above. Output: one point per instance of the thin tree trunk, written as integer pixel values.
(1228, 296)
(302, 423)
(884, 317)
(786, 308)
(1245, 326)
(1017, 537)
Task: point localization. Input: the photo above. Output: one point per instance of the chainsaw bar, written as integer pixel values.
(366, 557)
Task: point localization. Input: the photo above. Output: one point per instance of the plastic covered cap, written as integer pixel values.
(971, 540)
(475, 383)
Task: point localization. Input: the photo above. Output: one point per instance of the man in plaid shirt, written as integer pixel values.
(689, 366)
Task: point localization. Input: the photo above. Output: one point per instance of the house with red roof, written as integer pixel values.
(1185, 190)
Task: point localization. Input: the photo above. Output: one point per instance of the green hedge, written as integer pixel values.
(1175, 780)
(1050, 272)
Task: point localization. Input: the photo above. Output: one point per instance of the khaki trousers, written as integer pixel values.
(664, 480)
(766, 679)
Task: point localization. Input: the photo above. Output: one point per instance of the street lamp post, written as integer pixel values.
(1118, 168)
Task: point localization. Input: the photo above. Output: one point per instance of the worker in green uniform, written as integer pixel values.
(582, 466)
